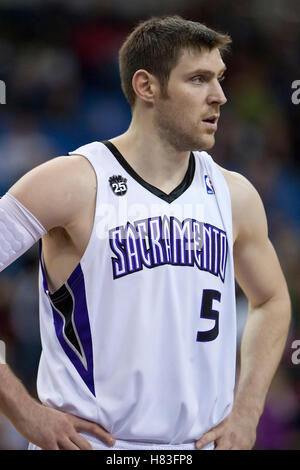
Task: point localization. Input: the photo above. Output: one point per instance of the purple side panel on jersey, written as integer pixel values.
(81, 323)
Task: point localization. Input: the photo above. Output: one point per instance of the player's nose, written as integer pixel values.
(217, 95)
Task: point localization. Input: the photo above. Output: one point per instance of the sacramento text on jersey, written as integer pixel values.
(166, 240)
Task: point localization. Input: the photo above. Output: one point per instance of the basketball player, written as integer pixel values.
(141, 239)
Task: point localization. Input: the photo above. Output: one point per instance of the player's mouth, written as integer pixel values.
(211, 121)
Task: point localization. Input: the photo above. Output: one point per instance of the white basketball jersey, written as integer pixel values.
(141, 338)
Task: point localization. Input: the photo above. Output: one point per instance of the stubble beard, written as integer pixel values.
(171, 128)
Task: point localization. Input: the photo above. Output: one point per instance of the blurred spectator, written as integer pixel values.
(22, 148)
(277, 428)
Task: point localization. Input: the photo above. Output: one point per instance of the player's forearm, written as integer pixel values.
(15, 401)
(262, 346)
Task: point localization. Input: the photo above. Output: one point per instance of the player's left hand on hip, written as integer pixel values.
(236, 432)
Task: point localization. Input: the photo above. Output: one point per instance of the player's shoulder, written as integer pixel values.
(246, 202)
(242, 191)
(234, 178)
(56, 190)
(64, 170)
(75, 164)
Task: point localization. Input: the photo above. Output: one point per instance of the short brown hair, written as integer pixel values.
(155, 45)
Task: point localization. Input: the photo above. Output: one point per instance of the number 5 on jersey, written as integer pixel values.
(207, 312)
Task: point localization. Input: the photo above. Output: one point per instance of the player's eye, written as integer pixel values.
(221, 78)
(198, 79)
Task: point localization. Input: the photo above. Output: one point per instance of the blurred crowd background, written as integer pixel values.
(59, 61)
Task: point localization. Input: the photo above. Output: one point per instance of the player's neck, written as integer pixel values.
(156, 161)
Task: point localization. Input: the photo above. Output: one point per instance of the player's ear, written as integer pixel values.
(145, 85)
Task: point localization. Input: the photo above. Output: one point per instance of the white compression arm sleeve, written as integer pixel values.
(19, 230)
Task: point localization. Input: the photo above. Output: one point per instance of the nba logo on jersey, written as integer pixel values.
(209, 186)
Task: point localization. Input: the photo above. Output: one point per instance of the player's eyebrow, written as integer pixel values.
(206, 72)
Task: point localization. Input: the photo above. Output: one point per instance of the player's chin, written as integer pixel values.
(207, 141)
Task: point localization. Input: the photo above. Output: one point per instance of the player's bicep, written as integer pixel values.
(257, 268)
(258, 272)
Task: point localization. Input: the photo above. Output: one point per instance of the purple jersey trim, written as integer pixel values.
(75, 292)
